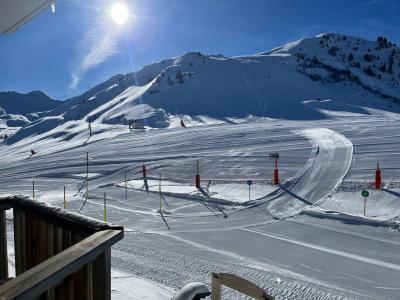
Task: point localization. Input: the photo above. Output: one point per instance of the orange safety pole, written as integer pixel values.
(378, 177)
(144, 171)
(276, 173)
(198, 176)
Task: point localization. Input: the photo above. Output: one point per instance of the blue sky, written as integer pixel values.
(66, 53)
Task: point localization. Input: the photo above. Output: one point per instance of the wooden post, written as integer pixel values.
(58, 237)
(215, 287)
(66, 239)
(102, 276)
(65, 290)
(20, 242)
(3, 246)
(50, 240)
(236, 283)
(42, 240)
(59, 291)
(30, 241)
(83, 282)
(82, 279)
(50, 294)
(17, 242)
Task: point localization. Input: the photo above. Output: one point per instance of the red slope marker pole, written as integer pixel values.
(378, 177)
(144, 171)
(276, 173)
(198, 176)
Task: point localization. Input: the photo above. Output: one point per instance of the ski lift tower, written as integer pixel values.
(275, 157)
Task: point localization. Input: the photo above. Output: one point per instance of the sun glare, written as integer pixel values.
(119, 13)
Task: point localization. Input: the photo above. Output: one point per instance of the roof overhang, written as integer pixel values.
(15, 13)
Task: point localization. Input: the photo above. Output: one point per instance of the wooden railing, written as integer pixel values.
(237, 283)
(58, 254)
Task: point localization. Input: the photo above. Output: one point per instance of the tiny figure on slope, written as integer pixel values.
(130, 126)
(183, 124)
(90, 128)
(33, 152)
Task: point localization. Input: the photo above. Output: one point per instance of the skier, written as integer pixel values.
(131, 126)
(183, 124)
(317, 150)
(33, 152)
(90, 128)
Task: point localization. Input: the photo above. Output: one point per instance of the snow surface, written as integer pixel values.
(125, 286)
(233, 192)
(335, 256)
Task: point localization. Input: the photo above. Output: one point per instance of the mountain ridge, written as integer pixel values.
(34, 101)
(315, 78)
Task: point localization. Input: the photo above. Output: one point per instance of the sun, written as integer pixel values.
(119, 13)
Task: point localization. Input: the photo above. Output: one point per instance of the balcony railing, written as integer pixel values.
(58, 254)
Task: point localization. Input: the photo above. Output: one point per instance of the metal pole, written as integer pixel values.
(198, 177)
(365, 204)
(159, 190)
(33, 189)
(65, 199)
(105, 208)
(90, 127)
(87, 175)
(126, 188)
(249, 192)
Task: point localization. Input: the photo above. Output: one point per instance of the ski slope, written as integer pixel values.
(319, 250)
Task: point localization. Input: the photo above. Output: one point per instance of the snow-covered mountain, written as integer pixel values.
(18, 110)
(310, 79)
(24, 104)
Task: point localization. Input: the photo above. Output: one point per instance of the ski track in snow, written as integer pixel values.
(329, 166)
(368, 260)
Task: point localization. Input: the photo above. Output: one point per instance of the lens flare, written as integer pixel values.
(119, 13)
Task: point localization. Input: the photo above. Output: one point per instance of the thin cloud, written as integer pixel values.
(97, 45)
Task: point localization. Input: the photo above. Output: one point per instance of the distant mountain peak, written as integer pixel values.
(25, 103)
